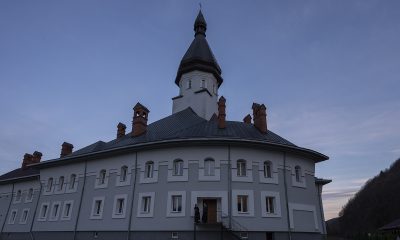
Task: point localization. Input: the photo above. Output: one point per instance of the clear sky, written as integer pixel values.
(328, 72)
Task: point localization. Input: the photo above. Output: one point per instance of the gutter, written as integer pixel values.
(8, 210)
(80, 201)
(34, 213)
(133, 198)
(167, 143)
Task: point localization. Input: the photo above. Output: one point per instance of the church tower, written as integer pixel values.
(198, 76)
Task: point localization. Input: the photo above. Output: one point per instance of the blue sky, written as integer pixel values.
(328, 72)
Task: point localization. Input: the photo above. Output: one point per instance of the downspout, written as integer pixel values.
(128, 237)
(229, 187)
(80, 201)
(321, 209)
(8, 210)
(34, 213)
(286, 196)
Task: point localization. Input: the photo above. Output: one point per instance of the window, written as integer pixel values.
(124, 174)
(209, 167)
(148, 171)
(242, 203)
(24, 216)
(146, 204)
(55, 211)
(49, 184)
(176, 203)
(97, 208)
(18, 196)
(297, 171)
(119, 206)
(189, 84)
(67, 210)
(267, 169)
(270, 204)
(241, 168)
(174, 235)
(29, 197)
(13, 216)
(203, 83)
(43, 212)
(61, 183)
(102, 177)
(72, 180)
(146, 201)
(178, 167)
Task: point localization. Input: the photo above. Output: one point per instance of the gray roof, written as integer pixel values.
(199, 55)
(187, 125)
(19, 174)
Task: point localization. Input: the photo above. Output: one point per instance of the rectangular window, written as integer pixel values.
(177, 203)
(209, 167)
(242, 203)
(67, 210)
(24, 216)
(13, 216)
(97, 208)
(43, 211)
(270, 206)
(146, 201)
(55, 211)
(241, 168)
(29, 197)
(120, 206)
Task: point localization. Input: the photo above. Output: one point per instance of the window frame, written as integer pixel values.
(29, 195)
(209, 167)
(178, 167)
(116, 213)
(244, 204)
(43, 217)
(142, 196)
(13, 216)
(65, 217)
(54, 216)
(24, 217)
(102, 179)
(49, 185)
(61, 181)
(276, 204)
(149, 173)
(18, 196)
(241, 171)
(94, 215)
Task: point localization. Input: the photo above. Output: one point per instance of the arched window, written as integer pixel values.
(297, 171)
(267, 169)
(178, 167)
(124, 174)
(148, 169)
(241, 168)
(102, 176)
(60, 183)
(30, 194)
(49, 184)
(209, 167)
(18, 197)
(72, 180)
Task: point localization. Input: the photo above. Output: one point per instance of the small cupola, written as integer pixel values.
(140, 117)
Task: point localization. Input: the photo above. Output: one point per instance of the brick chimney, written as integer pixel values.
(221, 112)
(27, 160)
(66, 149)
(121, 130)
(139, 123)
(37, 156)
(260, 117)
(247, 119)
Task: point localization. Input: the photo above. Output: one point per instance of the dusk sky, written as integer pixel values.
(328, 72)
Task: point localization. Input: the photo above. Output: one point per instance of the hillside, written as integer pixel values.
(376, 204)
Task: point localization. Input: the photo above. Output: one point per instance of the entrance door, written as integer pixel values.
(212, 210)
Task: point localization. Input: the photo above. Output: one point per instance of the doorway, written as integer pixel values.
(212, 210)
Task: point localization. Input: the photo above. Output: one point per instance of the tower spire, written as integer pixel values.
(200, 25)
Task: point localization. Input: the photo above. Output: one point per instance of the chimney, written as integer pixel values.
(260, 117)
(247, 119)
(221, 112)
(139, 123)
(66, 149)
(27, 160)
(121, 130)
(37, 156)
